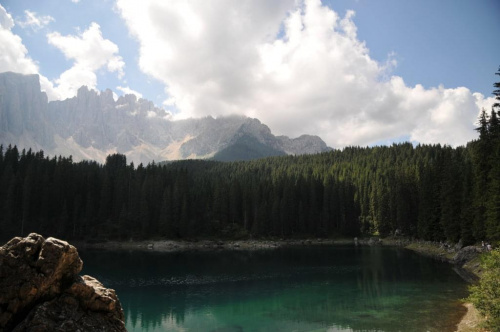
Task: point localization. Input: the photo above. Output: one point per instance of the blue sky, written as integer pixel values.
(445, 42)
(354, 72)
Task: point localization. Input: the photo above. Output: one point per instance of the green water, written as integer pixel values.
(337, 288)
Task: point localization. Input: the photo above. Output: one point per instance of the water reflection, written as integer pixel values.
(303, 289)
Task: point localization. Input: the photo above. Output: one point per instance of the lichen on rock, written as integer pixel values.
(40, 290)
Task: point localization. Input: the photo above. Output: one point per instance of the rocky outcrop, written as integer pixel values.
(466, 260)
(466, 254)
(40, 290)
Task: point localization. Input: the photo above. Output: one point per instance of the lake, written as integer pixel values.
(311, 288)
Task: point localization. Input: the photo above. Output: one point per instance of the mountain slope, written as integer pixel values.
(246, 148)
(92, 125)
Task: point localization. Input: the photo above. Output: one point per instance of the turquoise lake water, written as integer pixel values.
(323, 288)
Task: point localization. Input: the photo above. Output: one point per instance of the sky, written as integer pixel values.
(354, 72)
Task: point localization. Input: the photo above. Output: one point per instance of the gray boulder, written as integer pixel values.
(465, 255)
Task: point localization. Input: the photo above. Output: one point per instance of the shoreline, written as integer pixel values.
(468, 266)
(182, 245)
(468, 261)
(471, 321)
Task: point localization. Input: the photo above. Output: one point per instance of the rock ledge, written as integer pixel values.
(40, 290)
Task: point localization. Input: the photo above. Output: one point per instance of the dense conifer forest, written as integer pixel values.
(430, 192)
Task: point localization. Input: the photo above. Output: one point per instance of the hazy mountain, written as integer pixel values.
(92, 125)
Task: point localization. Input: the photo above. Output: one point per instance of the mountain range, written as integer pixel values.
(93, 124)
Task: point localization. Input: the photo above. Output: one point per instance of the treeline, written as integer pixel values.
(430, 192)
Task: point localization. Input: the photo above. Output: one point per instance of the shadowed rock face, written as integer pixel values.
(40, 290)
(465, 255)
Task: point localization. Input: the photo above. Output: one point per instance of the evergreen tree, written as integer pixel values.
(450, 196)
(481, 153)
(492, 223)
(496, 92)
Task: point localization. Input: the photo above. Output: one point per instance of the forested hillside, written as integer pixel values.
(430, 192)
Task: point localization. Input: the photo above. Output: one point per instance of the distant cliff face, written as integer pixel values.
(23, 109)
(92, 125)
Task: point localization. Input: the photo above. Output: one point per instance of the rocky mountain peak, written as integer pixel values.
(92, 125)
(128, 99)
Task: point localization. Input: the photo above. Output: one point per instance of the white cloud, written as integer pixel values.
(14, 55)
(6, 21)
(297, 66)
(90, 52)
(75, 1)
(34, 21)
(128, 91)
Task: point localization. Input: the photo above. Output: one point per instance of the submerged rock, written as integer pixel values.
(374, 241)
(40, 290)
